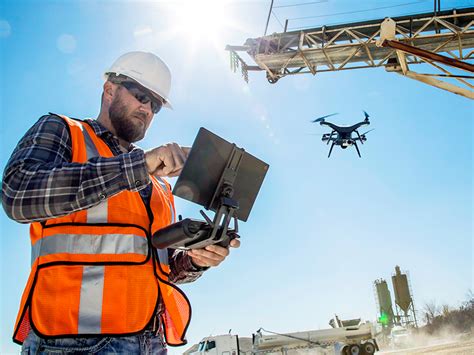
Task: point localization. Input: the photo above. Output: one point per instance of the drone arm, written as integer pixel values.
(360, 124)
(329, 124)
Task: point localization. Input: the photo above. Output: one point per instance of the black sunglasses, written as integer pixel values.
(142, 96)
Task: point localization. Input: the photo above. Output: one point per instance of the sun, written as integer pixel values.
(201, 20)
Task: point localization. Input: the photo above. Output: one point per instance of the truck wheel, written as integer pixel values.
(345, 350)
(354, 349)
(368, 348)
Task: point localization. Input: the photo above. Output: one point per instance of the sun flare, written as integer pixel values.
(203, 20)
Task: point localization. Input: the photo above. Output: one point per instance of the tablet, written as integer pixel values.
(202, 174)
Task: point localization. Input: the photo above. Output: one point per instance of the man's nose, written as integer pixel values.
(146, 108)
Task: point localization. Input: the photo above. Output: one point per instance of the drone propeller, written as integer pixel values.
(370, 130)
(321, 119)
(366, 115)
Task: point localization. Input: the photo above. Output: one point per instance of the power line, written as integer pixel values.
(268, 18)
(274, 14)
(358, 11)
(301, 4)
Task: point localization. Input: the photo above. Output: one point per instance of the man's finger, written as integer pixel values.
(203, 253)
(178, 157)
(205, 262)
(183, 155)
(170, 161)
(176, 173)
(218, 250)
(167, 160)
(186, 151)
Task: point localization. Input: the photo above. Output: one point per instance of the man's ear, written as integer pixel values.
(109, 91)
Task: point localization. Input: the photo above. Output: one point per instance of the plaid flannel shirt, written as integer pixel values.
(41, 183)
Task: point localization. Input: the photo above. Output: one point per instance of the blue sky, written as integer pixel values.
(322, 230)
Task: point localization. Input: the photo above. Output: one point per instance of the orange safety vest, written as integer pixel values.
(94, 272)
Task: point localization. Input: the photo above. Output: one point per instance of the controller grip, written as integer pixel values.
(227, 239)
(190, 233)
(177, 234)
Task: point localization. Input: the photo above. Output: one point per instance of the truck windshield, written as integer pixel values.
(206, 345)
(201, 346)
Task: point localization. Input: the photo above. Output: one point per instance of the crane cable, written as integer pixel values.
(268, 18)
(271, 12)
(359, 11)
(301, 4)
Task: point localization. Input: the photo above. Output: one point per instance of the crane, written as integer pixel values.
(442, 39)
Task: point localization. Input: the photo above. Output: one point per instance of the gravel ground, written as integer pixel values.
(453, 348)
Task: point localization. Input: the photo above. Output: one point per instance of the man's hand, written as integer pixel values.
(167, 160)
(212, 255)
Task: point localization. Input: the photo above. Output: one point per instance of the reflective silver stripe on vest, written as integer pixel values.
(163, 253)
(91, 150)
(165, 189)
(90, 304)
(163, 256)
(96, 214)
(90, 244)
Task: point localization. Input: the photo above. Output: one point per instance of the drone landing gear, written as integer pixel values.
(330, 137)
(357, 148)
(330, 149)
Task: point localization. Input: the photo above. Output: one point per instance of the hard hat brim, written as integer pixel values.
(166, 102)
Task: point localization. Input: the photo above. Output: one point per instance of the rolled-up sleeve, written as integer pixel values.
(182, 269)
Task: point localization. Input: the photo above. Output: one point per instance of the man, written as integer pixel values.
(94, 200)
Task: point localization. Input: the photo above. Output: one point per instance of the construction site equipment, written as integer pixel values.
(405, 308)
(394, 43)
(399, 337)
(351, 338)
(384, 304)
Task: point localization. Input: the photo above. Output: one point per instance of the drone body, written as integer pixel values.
(343, 136)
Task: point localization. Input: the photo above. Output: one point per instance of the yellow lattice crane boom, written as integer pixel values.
(444, 40)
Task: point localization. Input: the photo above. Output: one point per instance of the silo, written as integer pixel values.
(384, 303)
(403, 298)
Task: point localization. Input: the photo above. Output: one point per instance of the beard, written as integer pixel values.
(125, 127)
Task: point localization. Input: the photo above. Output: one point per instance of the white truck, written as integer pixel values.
(343, 339)
(399, 337)
(227, 344)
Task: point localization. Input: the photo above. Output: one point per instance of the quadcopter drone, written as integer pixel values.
(342, 136)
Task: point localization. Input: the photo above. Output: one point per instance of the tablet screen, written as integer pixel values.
(207, 160)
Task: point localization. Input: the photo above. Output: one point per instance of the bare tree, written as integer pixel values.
(470, 298)
(431, 310)
(445, 310)
(457, 318)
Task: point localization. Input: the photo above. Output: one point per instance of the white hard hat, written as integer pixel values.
(148, 70)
